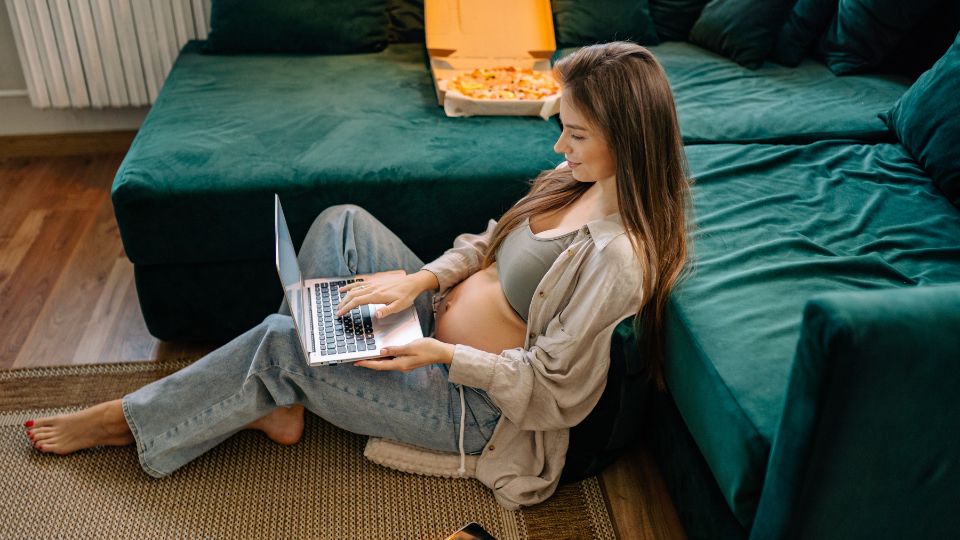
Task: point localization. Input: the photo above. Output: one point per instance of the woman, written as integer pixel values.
(523, 313)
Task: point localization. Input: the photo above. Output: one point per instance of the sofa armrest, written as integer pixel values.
(869, 441)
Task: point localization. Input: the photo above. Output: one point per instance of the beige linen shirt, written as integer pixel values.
(555, 380)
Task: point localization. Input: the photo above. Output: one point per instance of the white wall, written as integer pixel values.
(18, 117)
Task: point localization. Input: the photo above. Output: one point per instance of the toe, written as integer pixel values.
(43, 422)
(42, 435)
(50, 446)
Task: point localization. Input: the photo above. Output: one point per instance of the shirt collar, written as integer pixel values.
(604, 230)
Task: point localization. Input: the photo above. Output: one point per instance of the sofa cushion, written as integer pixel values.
(870, 414)
(927, 121)
(585, 22)
(297, 26)
(673, 19)
(776, 225)
(721, 101)
(406, 21)
(228, 131)
(864, 32)
(927, 43)
(807, 21)
(742, 30)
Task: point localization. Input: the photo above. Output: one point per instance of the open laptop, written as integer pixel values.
(327, 339)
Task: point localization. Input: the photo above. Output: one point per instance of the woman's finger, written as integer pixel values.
(390, 308)
(354, 285)
(353, 295)
(389, 364)
(384, 311)
(394, 350)
(353, 299)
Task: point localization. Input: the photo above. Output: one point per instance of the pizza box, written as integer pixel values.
(463, 35)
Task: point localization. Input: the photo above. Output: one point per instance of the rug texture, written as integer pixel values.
(248, 487)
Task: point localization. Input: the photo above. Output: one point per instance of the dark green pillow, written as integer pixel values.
(585, 22)
(864, 32)
(406, 21)
(926, 44)
(807, 21)
(742, 30)
(926, 120)
(673, 19)
(297, 26)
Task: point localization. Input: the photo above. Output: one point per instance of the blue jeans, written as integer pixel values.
(180, 417)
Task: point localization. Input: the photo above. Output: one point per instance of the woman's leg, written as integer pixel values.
(180, 417)
(345, 240)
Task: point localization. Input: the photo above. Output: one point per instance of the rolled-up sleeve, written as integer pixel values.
(463, 259)
(556, 382)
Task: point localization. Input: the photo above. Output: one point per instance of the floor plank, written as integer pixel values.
(638, 498)
(92, 346)
(70, 308)
(25, 292)
(13, 252)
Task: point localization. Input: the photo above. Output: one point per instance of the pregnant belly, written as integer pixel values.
(476, 313)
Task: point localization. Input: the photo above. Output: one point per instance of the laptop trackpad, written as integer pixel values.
(397, 329)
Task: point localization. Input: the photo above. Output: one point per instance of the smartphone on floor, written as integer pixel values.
(471, 531)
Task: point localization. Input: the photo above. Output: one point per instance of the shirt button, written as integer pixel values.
(570, 252)
(491, 448)
(532, 335)
(540, 294)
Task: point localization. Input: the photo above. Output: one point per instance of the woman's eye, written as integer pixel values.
(577, 137)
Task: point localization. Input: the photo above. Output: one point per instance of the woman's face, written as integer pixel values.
(587, 152)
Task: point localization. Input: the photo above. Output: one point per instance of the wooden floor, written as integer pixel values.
(67, 296)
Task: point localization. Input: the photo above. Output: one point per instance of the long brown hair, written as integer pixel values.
(623, 92)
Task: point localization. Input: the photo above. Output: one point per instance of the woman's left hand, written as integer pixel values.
(418, 353)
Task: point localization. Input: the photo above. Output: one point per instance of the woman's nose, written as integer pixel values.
(560, 146)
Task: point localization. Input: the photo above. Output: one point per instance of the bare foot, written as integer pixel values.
(283, 425)
(100, 425)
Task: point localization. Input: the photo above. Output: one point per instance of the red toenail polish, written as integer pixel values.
(28, 423)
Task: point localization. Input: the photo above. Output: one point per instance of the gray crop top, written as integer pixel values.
(522, 261)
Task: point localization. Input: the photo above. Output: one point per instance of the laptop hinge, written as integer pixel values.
(306, 315)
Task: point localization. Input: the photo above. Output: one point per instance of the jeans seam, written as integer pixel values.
(345, 391)
(483, 395)
(141, 447)
(285, 370)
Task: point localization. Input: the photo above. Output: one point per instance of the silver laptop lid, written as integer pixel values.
(289, 270)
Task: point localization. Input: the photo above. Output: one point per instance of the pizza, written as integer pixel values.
(505, 83)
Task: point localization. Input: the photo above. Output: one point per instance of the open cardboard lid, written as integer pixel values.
(487, 29)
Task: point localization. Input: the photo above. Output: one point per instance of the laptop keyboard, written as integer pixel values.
(338, 335)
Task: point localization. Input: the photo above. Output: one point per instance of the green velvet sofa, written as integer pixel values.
(812, 349)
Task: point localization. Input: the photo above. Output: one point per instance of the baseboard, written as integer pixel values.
(66, 144)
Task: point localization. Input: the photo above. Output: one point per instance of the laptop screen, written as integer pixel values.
(287, 265)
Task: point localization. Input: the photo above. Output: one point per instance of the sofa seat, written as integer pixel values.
(193, 197)
(719, 100)
(776, 225)
(227, 131)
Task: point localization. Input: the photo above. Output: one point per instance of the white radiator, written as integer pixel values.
(102, 53)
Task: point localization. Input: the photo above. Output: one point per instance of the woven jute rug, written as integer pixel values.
(248, 487)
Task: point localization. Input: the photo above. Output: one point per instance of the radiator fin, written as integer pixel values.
(102, 53)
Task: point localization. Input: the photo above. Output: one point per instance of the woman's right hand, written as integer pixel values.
(396, 293)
